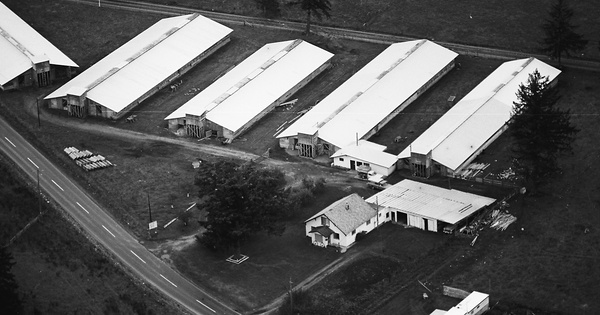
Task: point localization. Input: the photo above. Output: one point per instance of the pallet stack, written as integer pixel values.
(87, 160)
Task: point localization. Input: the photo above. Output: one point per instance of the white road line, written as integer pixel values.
(10, 142)
(168, 280)
(109, 231)
(206, 306)
(82, 207)
(57, 185)
(33, 163)
(137, 256)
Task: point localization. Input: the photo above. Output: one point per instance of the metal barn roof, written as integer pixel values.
(476, 117)
(446, 205)
(368, 151)
(254, 84)
(347, 213)
(371, 94)
(146, 60)
(21, 46)
(469, 305)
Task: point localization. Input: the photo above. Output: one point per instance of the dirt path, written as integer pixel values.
(291, 169)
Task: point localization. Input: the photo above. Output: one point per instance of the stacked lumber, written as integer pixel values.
(75, 154)
(501, 220)
(87, 160)
(472, 170)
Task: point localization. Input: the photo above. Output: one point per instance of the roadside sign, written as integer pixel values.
(152, 225)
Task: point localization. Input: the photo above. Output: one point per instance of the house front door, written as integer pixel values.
(393, 216)
(352, 164)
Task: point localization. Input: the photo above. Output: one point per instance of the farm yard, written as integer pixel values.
(545, 262)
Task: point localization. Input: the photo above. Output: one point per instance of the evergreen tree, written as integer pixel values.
(270, 8)
(561, 37)
(241, 200)
(540, 131)
(9, 297)
(317, 8)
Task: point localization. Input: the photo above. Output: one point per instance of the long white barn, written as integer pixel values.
(479, 118)
(367, 101)
(26, 57)
(249, 91)
(141, 67)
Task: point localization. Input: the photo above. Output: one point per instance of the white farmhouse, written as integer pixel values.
(338, 224)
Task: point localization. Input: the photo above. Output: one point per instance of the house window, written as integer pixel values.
(336, 236)
(358, 163)
(353, 232)
(341, 159)
(324, 221)
(368, 221)
(326, 147)
(387, 215)
(367, 164)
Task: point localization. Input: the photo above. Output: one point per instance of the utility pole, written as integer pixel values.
(149, 210)
(37, 103)
(39, 191)
(291, 297)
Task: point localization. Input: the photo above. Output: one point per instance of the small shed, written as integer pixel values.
(368, 154)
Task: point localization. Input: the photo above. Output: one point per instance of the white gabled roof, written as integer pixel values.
(21, 46)
(446, 205)
(148, 59)
(476, 117)
(371, 94)
(254, 84)
(368, 151)
(467, 306)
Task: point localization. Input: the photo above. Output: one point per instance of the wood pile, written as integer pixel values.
(87, 160)
(473, 170)
(501, 220)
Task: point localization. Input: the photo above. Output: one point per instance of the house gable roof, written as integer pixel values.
(347, 213)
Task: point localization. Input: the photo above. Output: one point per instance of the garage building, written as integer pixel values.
(367, 101)
(427, 207)
(26, 57)
(141, 67)
(249, 91)
(479, 118)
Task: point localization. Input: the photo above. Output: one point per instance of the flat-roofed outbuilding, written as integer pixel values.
(427, 207)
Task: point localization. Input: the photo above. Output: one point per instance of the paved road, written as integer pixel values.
(104, 228)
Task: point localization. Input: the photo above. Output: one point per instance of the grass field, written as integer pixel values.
(57, 269)
(509, 24)
(548, 266)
